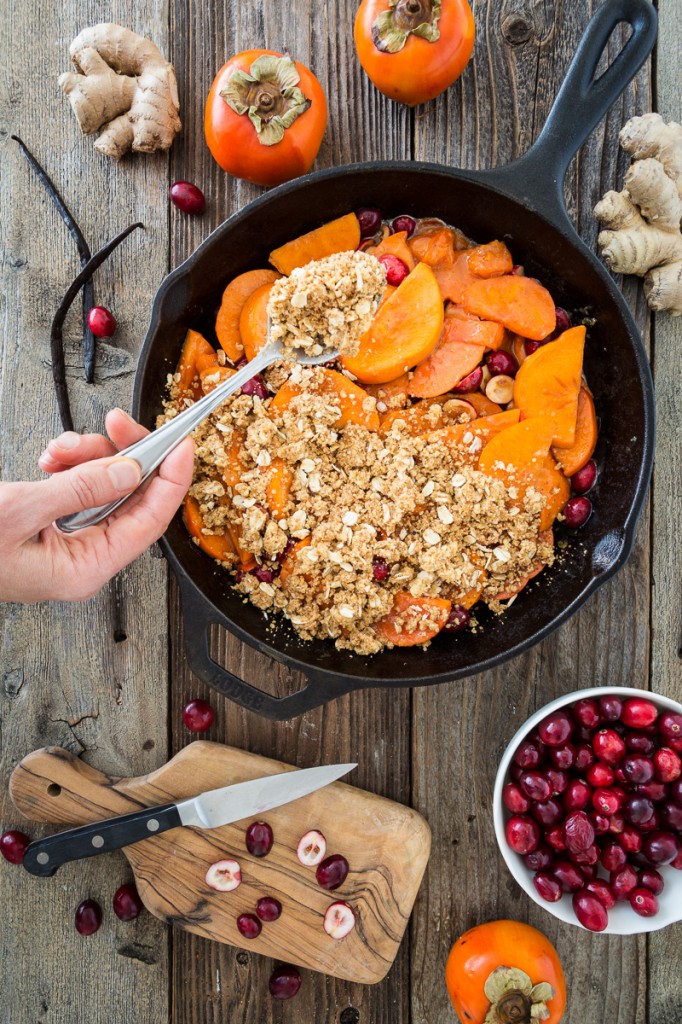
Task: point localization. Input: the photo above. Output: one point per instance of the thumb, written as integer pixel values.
(88, 486)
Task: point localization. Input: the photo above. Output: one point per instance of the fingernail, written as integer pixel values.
(125, 474)
(124, 413)
(67, 440)
(45, 460)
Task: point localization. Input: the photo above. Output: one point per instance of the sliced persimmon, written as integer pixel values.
(434, 247)
(491, 260)
(460, 349)
(289, 560)
(246, 560)
(548, 384)
(236, 467)
(355, 405)
(395, 245)
(521, 304)
(413, 620)
(195, 345)
(217, 545)
(581, 451)
(231, 306)
(212, 376)
(340, 235)
(253, 321)
(278, 488)
(454, 277)
(482, 404)
(403, 332)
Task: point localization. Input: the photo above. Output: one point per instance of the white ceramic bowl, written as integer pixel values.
(622, 918)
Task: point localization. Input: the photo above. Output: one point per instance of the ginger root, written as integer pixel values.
(124, 86)
(643, 233)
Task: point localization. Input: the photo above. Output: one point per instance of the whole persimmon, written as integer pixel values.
(508, 972)
(265, 117)
(414, 49)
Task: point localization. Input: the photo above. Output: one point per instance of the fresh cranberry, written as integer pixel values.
(638, 809)
(547, 812)
(660, 847)
(404, 223)
(555, 838)
(547, 887)
(256, 388)
(127, 903)
(613, 857)
(600, 823)
(531, 346)
(630, 839)
(651, 879)
(88, 917)
(527, 755)
(523, 834)
(643, 902)
(638, 769)
(539, 859)
(676, 792)
(590, 911)
(677, 863)
(516, 771)
(667, 765)
(332, 872)
(584, 757)
(588, 857)
(577, 511)
(623, 881)
(586, 712)
(284, 982)
(564, 756)
(268, 908)
(638, 713)
(13, 845)
(187, 197)
(639, 743)
(517, 270)
(652, 824)
(569, 876)
(471, 382)
(396, 270)
(608, 746)
(535, 786)
(514, 799)
(369, 220)
(101, 322)
(654, 790)
(259, 839)
(616, 823)
(380, 569)
(670, 725)
(606, 801)
(676, 745)
(557, 779)
(589, 870)
(600, 775)
(249, 926)
(584, 480)
(457, 620)
(563, 320)
(577, 795)
(602, 890)
(198, 715)
(501, 362)
(610, 708)
(578, 832)
(555, 729)
(671, 816)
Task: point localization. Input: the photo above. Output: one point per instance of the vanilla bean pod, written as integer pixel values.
(83, 252)
(56, 339)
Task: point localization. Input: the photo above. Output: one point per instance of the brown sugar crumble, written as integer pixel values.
(327, 304)
(357, 497)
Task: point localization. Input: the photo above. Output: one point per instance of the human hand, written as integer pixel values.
(37, 562)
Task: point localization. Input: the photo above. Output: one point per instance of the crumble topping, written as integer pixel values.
(327, 304)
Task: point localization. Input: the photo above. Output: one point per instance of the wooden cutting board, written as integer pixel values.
(386, 844)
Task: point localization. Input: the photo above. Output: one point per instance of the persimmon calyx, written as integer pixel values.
(392, 28)
(269, 95)
(514, 999)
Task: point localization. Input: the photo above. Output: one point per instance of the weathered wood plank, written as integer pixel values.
(90, 677)
(488, 118)
(665, 993)
(212, 983)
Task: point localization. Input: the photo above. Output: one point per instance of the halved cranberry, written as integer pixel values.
(523, 834)
(655, 790)
(471, 382)
(610, 708)
(555, 838)
(577, 511)
(564, 756)
(670, 725)
(284, 983)
(638, 712)
(613, 857)
(127, 903)
(13, 845)
(514, 799)
(224, 875)
(101, 322)
(259, 839)
(557, 779)
(639, 743)
(630, 839)
(661, 847)
(547, 887)
(638, 809)
(671, 815)
(457, 620)
(586, 712)
(606, 801)
(501, 362)
(88, 917)
(535, 785)
(396, 270)
(667, 765)
(539, 859)
(608, 746)
(643, 902)
(590, 911)
(268, 908)
(198, 715)
(313, 846)
(584, 756)
(555, 729)
(187, 197)
(547, 812)
(369, 220)
(404, 223)
(249, 926)
(577, 796)
(600, 775)
(652, 880)
(578, 832)
(623, 881)
(339, 919)
(568, 875)
(583, 480)
(602, 890)
(332, 872)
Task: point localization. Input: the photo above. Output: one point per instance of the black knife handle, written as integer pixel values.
(45, 855)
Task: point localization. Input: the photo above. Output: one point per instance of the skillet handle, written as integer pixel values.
(198, 616)
(537, 177)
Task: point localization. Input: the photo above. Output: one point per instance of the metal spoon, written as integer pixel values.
(153, 449)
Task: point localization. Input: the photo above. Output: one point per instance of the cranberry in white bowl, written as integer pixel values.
(586, 794)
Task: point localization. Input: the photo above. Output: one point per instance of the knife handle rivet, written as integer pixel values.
(98, 842)
(153, 825)
(43, 858)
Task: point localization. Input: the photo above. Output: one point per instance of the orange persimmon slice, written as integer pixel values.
(278, 487)
(548, 383)
(491, 260)
(253, 321)
(246, 560)
(395, 245)
(574, 458)
(481, 403)
(434, 247)
(339, 235)
(234, 297)
(521, 304)
(477, 432)
(413, 620)
(195, 345)
(212, 376)
(355, 405)
(235, 468)
(216, 545)
(403, 332)
(289, 560)
(459, 350)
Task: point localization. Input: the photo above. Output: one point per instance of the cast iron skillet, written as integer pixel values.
(522, 203)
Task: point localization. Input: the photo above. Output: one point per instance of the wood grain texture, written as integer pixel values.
(387, 846)
(91, 677)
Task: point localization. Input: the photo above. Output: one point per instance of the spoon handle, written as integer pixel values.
(152, 449)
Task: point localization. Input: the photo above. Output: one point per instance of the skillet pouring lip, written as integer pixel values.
(614, 546)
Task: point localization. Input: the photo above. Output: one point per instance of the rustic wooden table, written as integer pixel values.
(107, 678)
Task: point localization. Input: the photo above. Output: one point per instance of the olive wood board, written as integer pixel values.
(386, 844)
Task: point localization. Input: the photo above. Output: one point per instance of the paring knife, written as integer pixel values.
(208, 810)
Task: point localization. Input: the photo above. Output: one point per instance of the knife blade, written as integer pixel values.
(211, 809)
